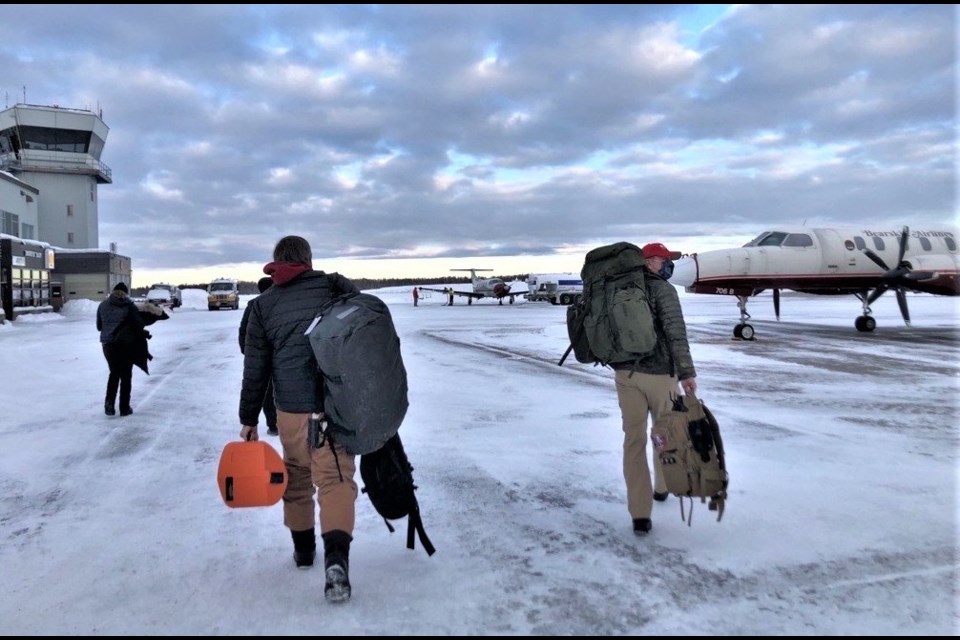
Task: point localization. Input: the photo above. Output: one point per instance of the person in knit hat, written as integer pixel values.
(121, 328)
(276, 347)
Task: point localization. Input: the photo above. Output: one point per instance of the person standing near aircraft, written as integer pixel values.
(277, 348)
(450, 294)
(416, 296)
(645, 387)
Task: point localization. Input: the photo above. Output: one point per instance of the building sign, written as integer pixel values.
(19, 261)
(50, 259)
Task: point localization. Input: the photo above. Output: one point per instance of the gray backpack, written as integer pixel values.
(364, 380)
(613, 322)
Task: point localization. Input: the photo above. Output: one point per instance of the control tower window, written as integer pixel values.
(47, 139)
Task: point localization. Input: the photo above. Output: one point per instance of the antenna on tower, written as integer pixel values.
(24, 94)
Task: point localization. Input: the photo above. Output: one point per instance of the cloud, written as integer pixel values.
(473, 130)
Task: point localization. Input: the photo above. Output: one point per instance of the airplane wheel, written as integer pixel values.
(746, 331)
(865, 324)
(738, 331)
(511, 300)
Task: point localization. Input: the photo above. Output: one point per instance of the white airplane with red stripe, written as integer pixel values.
(865, 263)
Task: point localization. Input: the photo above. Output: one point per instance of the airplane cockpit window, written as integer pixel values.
(925, 243)
(951, 244)
(878, 243)
(861, 244)
(774, 239)
(798, 240)
(756, 241)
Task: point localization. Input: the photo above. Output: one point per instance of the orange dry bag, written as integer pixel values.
(251, 474)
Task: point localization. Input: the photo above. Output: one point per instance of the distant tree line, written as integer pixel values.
(364, 284)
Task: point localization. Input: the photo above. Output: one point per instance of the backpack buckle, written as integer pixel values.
(317, 430)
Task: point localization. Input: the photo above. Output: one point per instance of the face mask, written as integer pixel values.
(666, 269)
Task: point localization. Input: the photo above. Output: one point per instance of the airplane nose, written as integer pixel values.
(684, 272)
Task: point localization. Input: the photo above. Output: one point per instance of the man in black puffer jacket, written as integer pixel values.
(269, 408)
(275, 347)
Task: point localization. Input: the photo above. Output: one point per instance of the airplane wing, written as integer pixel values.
(465, 294)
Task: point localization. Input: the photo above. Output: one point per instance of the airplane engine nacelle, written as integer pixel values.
(944, 271)
(939, 262)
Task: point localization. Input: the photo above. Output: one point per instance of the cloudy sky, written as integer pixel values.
(407, 140)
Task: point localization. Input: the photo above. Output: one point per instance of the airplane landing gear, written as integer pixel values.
(743, 331)
(865, 323)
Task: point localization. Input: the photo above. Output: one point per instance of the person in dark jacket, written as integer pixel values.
(276, 347)
(645, 387)
(121, 328)
(269, 406)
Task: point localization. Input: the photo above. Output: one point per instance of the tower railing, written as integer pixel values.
(83, 165)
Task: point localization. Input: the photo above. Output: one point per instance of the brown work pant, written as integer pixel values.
(307, 467)
(640, 395)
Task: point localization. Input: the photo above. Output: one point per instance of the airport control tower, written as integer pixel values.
(57, 150)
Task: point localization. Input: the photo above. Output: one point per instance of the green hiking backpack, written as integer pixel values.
(613, 322)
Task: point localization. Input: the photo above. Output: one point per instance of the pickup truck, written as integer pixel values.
(165, 295)
(223, 293)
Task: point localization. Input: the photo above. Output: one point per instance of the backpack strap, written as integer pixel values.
(415, 523)
(718, 501)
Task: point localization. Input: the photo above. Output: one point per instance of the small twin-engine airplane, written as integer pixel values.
(482, 288)
(865, 263)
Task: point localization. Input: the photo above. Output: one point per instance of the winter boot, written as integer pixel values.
(304, 548)
(336, 551)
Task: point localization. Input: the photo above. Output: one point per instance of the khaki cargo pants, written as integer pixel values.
(312, 471)
(640, 395)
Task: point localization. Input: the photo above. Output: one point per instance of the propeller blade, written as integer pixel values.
(903, 244)
(902, 301)
(776, 302)
(879, 291)
(877, 259)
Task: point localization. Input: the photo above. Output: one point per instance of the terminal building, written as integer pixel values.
(50, 170)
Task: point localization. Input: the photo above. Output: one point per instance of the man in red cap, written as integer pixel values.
(645, 386)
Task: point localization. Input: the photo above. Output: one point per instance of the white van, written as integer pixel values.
(223, 293)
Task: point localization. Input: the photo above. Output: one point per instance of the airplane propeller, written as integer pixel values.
(897, 277)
